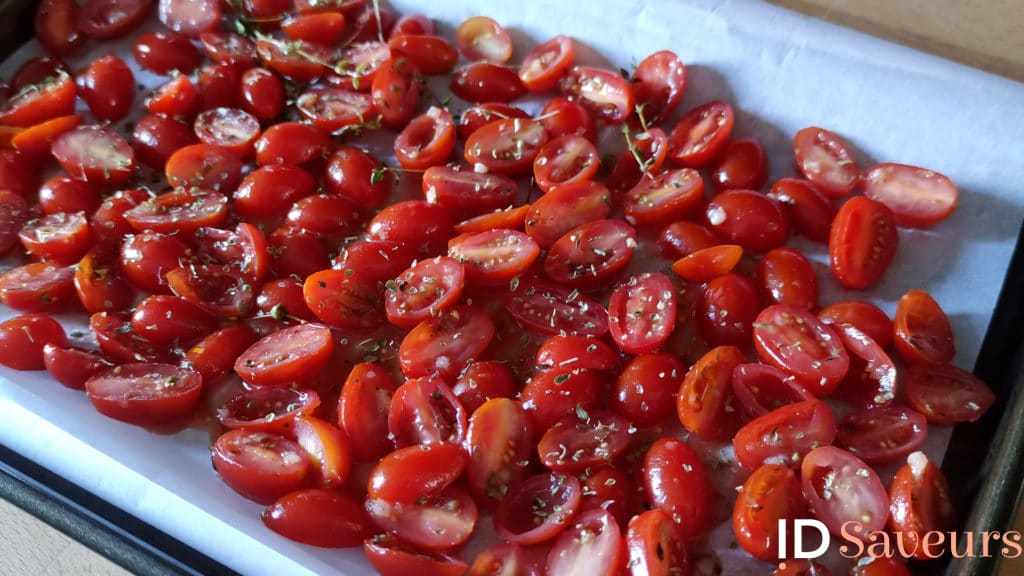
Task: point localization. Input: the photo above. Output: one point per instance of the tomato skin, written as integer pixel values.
(747, 218)
(795, 341)
(119, 343)
(871, 379)
(920, 502)
(324, 28)
(486, 82)
(642, 312)
(921, 330)
(349, 173)
(440, 522)
(564, 160)
(761, 388)
(443, 344)
(56, 26)
(100, 284)
(569, 352)
(592, 254)
(29, 106)
(64, 194)
(170, 320)
(482, 38)
(708, 263)
(825, 160)
(583, 440)
(145, 394)
(482, 380)
(523, 519)
(882, 435)
(14, 213)
(426, 289)
(479, 115)
(344, 298)
(413, 24)
(917, 197)
(363, 408)
(260, 466)
(327, 448)
(428, 140)
(705, 403)
(324, 215)
(726, 309)
(414, 222)
(840, 488)
(682, 238)
(554, 394)
(215, 354)
(146, 258)
(156, 138)
(743, 164)
(61, 237)
(654, 545)
(72, 366)
(190, 17)
(204, 166)
(685, 497)
(409, 473)
(229, 48)
(432, 55)
(23, 338)
(164, 52)
(331, 109)
(318, 517)
(270, 190)
(543, 68)
(946, 394)
(426, 411)
(390, 557)
(365, 257)
(108, 88)
(565, 208)
(772, 493)
(107, 19)
(467, 193)
(562, 117)
(787, 277)
(659, 200)
(291, 143)
(262, 93)
(499, 441)
(645, 390)
(701, 134)
(866, 317)
(36, 141)
(38, 287)
(785, 435)
(810, 212)
(305, 348)
(862, 242)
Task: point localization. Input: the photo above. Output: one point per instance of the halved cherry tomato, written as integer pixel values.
(298, 60)
(583, 440)
(345, 298)
(785, 435)
(795, 341)
(709, 263)
(428, 140)
(644, 157)
(262, 93)
(56, 26)
(492, 473)
(215, 355)
(119, 342)
(410, 473)
(920, 502)
(747, 218)
(825, 160)
(603, 92)
(23, 339)
(326, 446)
(271, 410)
(645, 389)
(259, 465)
(53, 97)
(479, 115)
(862, 242)
(156, 138)
(220, 290)
(810, 212)
(36, 141)
(95, 153)
(324, 214)
(916, 196)
(426, 411)
(324, 28)
(318, 517)
(179, 211)
(165, 52)
(682, 238)
(73, 366)
(427, 289)
(14, 213)
(229, 48)
(866, 317)
(725, 310)
(761, 388)
(547, 308)
(38, 287)
(592, 254)
(366, 257)
(554, 394)
(363, 410)
(882, 435)
(871, 379)
(351, 173)
(743, 164)
(505, 559)
(655, 546)
(543, 68)
(701, 134)
(642, 312)
(443, 344)
(946, 394)
(565, 160)
(391, 557)
(658, 83)
(432, 522)
(244, 249)
(270, 190)
(190, 17)
(482, 380)
(565, 208)
(486, 82)
(291, 143)
(922, 330)
(506, 146)
(592, 546)
(60, 237)
(431, 55)
(107, 19)
(676, 482)
(561, 117)
(568, 352)
(771, 494)
(229, 128)
(512, 218)
(413, 24)
(465, 192)
(840, 488)
(204, 166)
(100, 284)
(415, 222)
(331, 109)
(787, 277)
(286, 356)
(108, 88)
(169, 320)
(146, 393)
(538, 509)
(482, 38)
(706, 404)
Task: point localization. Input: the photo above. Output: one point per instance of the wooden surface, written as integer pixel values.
(983, 33)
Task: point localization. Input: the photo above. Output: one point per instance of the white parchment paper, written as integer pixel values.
(782, 71)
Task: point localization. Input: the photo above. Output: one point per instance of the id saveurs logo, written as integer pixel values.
(811, 539)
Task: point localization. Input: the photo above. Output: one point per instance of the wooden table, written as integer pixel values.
(981, 33)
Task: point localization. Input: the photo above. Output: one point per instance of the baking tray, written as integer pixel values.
(984, 461)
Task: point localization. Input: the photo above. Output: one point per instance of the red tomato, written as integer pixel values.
(219, 86)
(61, 237)
(592, 254)
(35, 71)
(946, 394)
(108, 88)
(56, 26)
(825, 160)
(351, 173)
(565, 160)
(920, 503)
(229, 128)
(106, 19)
(318, 517)
(146, 394)
(675, 482)
(591, 546)
(229, 48)
(810, 212)
(260, 466)
(164, 52)
(325, 215)
(743, 164)
(565, 208)
(244, 249)
(100, 283)
(425, 290)
(645, 390)
(286, 356)
(324, 28)
(922, 331)
(478, 115)
(467, 193)
(482, 380)
(332, 109)
(707, 264)
(190, 17)
(871, 379)
(537, 510)
(415, 222)
(882, 435)
(504, 559)
(879, 566)
(443, 344)
(726, 309)
(73, 366)
(63, 194)
(862, 242)
(570, 352)
(771, 494)
(785, 435)
(270, 190)
(169, 320)
(486, 82)
(654, 545)
(95, 153)
(747, 218)
(37, 287)
(438, 522)
(561, 117)
(481, 38)
(119, 342)
(390, 557)
(427, 140)
(547, 308)
(363, 410)
(365, 257)
(512, 218)
(645, 156)
(156, 138)
(36, 141)
(409, 473)
(291, 143)
(270, 410)
(425, 411)
(14, 213)
(642, 312)
(215, 355)
(23, 338)
(344, 298)
(297, 253)
(506, 146)
(327, 447)
(917, 197)
(669, 196)
(492, 472)
(658, 83)
(179, 211)
(262, 93)
(583, 440)
(204, 166)
(840, 488)
(413, 24)
(701, 134)
(866, 317)
(603, 92)
(53, 97)
(795, 341)
(554, 394)
(682, 238)
(787, 277)
(706, 404)
(543, 68)
(297, 60)
(220, 290)
(431, 55)
(761, 388)
(801, 568)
